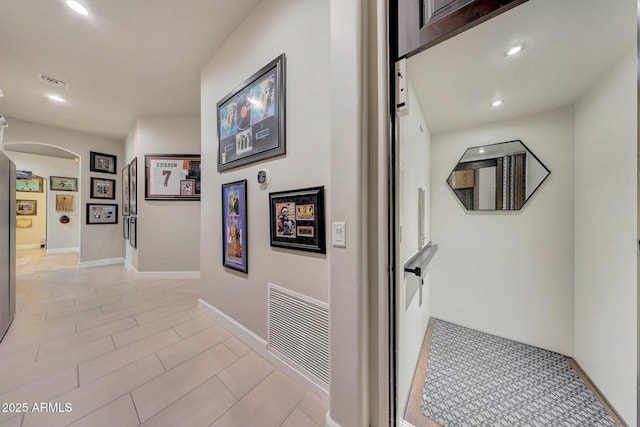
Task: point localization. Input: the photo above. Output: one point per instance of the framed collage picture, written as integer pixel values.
(297, 219)
(125, 228)
(251, 118)
(35, 184)
(133, 232)
(133, 187)
(103, 188)
(105, 163)
(61, 183)
(234, 226)
(26, 207)
(102, 213)
(172, 177)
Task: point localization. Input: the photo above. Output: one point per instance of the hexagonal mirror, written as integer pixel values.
(497, 177)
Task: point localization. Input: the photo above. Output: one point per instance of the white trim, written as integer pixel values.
(100, 262)
(62, 250)
(330, 422)
(259, 345)
(33, 246)
(130, 266)
(161, 274)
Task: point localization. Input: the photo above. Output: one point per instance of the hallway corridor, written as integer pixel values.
(124, 352)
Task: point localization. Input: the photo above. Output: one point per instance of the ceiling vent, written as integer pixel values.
(3, 122)
(53, 81)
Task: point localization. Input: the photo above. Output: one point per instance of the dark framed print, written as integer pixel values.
(103, 188)
(26, 207)
(133, 187)
(297, 219)
(105, 163)
(98, 213)
(251, 118)
(35, 184)
(125, 228)
(133, 231)
(234, 226)
(125, 191)
(172, 177)
(62, 183)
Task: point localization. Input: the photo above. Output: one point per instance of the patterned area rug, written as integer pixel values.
(477, 379)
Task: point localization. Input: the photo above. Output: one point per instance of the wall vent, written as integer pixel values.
(53, 81)
(298, 332)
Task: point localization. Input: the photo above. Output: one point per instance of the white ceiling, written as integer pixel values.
(568, 44)
(127, 59)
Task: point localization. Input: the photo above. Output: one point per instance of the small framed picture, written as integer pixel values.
(24, 223)
(26, 207)
(64, 203)
(133, 187)
(102, 213)
(297, 219)
(125, 191)
(61, 183)
(30, 184)
(105, 163)
(103, 188)
(125, 228)
(234, 226)
(172, 177)
(133, 232)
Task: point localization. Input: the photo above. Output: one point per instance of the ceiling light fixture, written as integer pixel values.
(496, 103)
(77, 7)
(481, 150)
(56, 98)
(514, 50)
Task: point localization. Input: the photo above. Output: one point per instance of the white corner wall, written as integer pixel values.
(97, 242)
(413, 302)
(605, 235)
(168, 232)
(508, 274)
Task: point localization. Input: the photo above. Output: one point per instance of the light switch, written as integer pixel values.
(338, 235)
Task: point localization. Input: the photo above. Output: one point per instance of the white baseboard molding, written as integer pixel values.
(161, 274)
(33, 246)
(62, 250)
(330, 422)
(130, 266)
(259, 345)
(100, 262)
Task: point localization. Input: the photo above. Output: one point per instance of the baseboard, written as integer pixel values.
(130, 266)
(33, 246)
(259, 345)
(62, 250)
(161, 274)
(330, 422)
(100, 262)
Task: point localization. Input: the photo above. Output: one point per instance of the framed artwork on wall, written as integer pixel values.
(234, 226)
(297, 219)
(125, 191)
(24, 223)
(64, 203)
(61, 183)
(251, 118)
(133, 187)
(125, 228)
(105, 163)
(133, 232)
(33, 184)
(26, 207)
(103, 188)
(172, 177)
(102, 213)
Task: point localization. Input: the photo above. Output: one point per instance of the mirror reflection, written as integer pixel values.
(497, 177)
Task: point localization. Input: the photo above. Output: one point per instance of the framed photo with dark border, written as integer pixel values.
(26, 207)
(234, 226)
(98, 213)
(102, 188)
(125, 191)
(172, 177)
(105, 163)
(35, 184)
(61, 183)
(297, 219)
(133, 231)
(133, 187)
(125, 228)
(251, 118)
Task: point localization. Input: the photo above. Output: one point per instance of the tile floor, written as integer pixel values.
(29, 261)
(128, 352)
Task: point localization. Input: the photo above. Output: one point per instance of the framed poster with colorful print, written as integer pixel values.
(234, 226)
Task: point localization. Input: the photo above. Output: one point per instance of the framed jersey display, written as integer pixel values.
(172, 177)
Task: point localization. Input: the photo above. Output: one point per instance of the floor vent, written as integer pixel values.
(299, 332)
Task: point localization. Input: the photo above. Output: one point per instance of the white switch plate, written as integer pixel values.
(338, 234)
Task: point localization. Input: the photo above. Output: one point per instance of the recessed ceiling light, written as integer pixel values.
(496, 103)
(56, 98)
(481, 150)
(77, 7)
(513, 50)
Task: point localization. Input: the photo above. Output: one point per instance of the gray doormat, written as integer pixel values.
(477, 379)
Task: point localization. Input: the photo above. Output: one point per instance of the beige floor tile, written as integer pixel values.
(13, 422)
(18, 340)
(85, 337)
(158, 313)
(241, 377)
(34, 371)
(315, 408)
(119, 413)
(139, 298)
(28, 319)
(143, 331)
(100, 366)
(18, 359)
(186, 349)
(299, 419)
(194, 326)
(271, 402)
(190, 410)
(95, 395)
(237, 346)
(82, 306)
(78, 316)
(169, 387)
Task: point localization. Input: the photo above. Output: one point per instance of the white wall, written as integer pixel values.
(413, 302)
(97, 242)
(508, 274)
(59, 236)
(168, 231)
(300, 29)
(605, 235)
